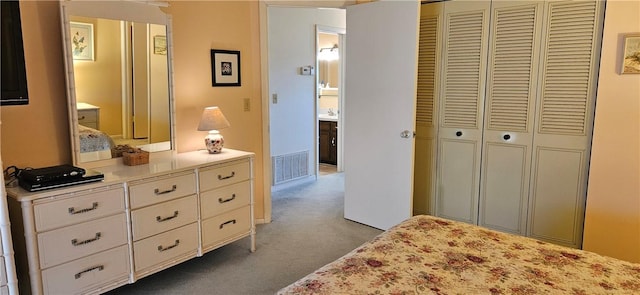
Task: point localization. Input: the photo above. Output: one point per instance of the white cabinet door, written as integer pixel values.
(380, 93)
(140, 81)
(426, 109)
(509, 114)
(461, 109)
(564, 122)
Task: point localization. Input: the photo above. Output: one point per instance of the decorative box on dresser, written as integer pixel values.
(139, 220)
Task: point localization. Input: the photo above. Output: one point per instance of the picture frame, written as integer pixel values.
(630, 54)
(82, 43)
(160, 45)
(225, 67)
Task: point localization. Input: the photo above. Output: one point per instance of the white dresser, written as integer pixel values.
(8, 280)
(139, 220)
(89, 115)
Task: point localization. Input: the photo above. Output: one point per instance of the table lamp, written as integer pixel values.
(212, 120)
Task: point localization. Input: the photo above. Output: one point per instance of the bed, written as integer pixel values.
(430, 255)
(94, 144)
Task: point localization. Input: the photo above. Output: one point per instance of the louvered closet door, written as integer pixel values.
(561, 149)
(509, 115)
(462, 103)
(426, 115)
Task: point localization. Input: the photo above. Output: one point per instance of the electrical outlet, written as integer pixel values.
(247, 104)
(274, 97)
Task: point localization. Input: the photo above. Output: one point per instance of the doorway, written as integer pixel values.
(329, 82)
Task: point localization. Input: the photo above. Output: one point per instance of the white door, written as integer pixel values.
(380, 106)
(461, 109)
(140, 81)
(426, 107)
(509, 115)
(564, 120)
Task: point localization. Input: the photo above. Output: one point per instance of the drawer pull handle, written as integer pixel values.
(220, 177)
(173, 189)
(160, 219)
(98, 268)
(81, 118)
(161, 249)
(228, 222)
(73, 210)
(233, 197)
(76, 243)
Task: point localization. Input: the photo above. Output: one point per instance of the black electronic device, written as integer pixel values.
(87, 176)
(50, 174)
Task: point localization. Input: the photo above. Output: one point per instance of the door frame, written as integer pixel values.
(341, 62)
(265, 96)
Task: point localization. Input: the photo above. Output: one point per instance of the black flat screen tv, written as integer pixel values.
(14, 74)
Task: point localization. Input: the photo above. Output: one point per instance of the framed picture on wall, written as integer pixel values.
(82, 41)
(225, 67)
(160, 45)
(631, 54)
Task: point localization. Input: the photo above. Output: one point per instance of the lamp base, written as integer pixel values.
(214, 142)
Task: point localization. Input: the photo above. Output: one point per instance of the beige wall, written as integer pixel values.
(198, 27)
(612, 222)
(37, 134)
(99, 82)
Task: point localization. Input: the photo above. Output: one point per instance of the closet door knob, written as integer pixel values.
(459, 133)
(506, 137)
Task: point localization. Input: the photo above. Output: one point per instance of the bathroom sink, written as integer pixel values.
(327, 117)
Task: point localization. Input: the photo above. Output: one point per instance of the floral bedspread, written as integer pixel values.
(92, 140)
(430, 255)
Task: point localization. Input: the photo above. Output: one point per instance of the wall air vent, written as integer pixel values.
(290, 167)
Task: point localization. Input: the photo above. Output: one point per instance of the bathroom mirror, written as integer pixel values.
(119, 81)
(328, 60)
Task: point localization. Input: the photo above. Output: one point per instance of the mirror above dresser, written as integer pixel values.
(119, 83)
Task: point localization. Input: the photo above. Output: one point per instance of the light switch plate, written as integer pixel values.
(246, 104)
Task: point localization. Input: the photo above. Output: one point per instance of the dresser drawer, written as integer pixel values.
(160, 190)
(162, 217)
(87, 273)
(166, 246)
(4, 290)
(227, 225)
(225, 199)
(85, 207)
(218, 176)
(72, 242)
(87, 116)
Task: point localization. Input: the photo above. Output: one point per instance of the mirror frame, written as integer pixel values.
(147, 12)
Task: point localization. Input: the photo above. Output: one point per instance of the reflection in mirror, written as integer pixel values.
(119, 81)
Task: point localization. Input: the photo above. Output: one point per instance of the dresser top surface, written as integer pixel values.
(159, 164)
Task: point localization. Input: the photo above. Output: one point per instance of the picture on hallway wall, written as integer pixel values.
(225, 67)
(631, 54)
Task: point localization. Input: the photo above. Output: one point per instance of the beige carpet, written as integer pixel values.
(307, 232)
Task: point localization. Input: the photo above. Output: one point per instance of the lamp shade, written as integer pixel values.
(212, 119)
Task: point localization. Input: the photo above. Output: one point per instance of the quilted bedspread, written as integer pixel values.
(92, 140)
(429, 255)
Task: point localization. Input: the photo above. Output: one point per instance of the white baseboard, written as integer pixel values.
(292, 183)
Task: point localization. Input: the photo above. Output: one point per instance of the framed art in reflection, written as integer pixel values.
(82, 41)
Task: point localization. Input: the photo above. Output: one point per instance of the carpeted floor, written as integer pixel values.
(307, 231)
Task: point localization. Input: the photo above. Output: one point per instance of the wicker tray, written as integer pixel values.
(137, 157)
(116, 151)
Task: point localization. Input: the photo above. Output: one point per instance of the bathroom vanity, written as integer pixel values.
(328, 143)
